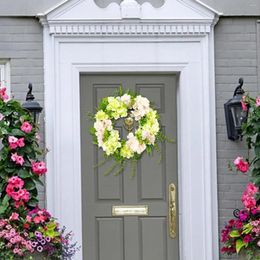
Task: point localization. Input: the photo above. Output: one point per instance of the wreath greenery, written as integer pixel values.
(141, 120)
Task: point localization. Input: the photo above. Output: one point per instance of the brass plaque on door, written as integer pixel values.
(130, 210)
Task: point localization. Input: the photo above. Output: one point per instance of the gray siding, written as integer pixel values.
(236, 56)
(21, 42)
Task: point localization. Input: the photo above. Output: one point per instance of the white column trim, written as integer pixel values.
(196, 139)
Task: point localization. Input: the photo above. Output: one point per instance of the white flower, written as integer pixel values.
(141, 107)
(146, 135)
(126, 99)
(134, 144)
(101, 126)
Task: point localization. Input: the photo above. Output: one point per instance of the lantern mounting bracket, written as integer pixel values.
(239, 90)
(29, 95)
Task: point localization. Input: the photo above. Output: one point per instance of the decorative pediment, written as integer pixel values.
(75, 10)
(129, 18)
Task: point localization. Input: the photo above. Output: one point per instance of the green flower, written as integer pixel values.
(126, 152)
(101, 115)
(116, 107)
(49, 230)
(112, 143)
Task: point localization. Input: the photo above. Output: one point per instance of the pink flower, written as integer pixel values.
(243, 215)
(12, 142)
(239, 224)
(29, 219)
(17, 159)
(241, 165)
(16, 181)
(26, 127)
(15, 191)
(257, 101)
(39, 168)
(247, 239)
(39, 219)
(15, 142)
(248, 198)
(3, 94)
(20, 142)
(244, 106)
(14, 216)
(1, 116)
(251, 189)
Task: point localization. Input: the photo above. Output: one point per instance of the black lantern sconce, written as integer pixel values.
(32, 106)
(235, 115)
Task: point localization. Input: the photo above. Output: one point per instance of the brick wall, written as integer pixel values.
(235, 56)
(21, 42)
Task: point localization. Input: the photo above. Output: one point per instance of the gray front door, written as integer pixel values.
(108, 237)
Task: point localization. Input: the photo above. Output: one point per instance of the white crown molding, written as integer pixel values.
(129, 29)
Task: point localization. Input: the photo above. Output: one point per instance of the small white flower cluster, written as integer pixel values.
(120, 107)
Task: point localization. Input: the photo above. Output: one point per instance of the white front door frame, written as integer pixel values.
(185, 47)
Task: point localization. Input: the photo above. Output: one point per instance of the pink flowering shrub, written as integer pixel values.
(243, 233)
(25, 228)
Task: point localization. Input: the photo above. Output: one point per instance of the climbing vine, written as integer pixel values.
(242, 234)
(25, 229)
(18, 157)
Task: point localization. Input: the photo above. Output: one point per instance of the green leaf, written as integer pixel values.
(247, 228)
(24, 173)
(5, 200)
(234, 233)
(4, 204)
(33, 202)
(37, 179)
(29, 184)
(239, 245)
(17, 132)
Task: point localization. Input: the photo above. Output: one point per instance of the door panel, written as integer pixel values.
(129, 237)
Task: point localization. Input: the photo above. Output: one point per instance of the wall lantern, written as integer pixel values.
(235, 116)
(32, 106)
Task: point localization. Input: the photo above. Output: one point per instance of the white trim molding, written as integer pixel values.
(5, 73)
(176, 38)
(130, 29)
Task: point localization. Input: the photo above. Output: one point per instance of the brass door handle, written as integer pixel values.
(172, 211)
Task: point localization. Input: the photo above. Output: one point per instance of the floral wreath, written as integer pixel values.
(140, 120)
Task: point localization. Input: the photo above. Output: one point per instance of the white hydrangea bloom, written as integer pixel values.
(146, 135)
(134, 144)
(141, 107)
(126, 99)
(101, 126)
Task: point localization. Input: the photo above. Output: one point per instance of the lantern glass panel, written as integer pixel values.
(237, 114)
